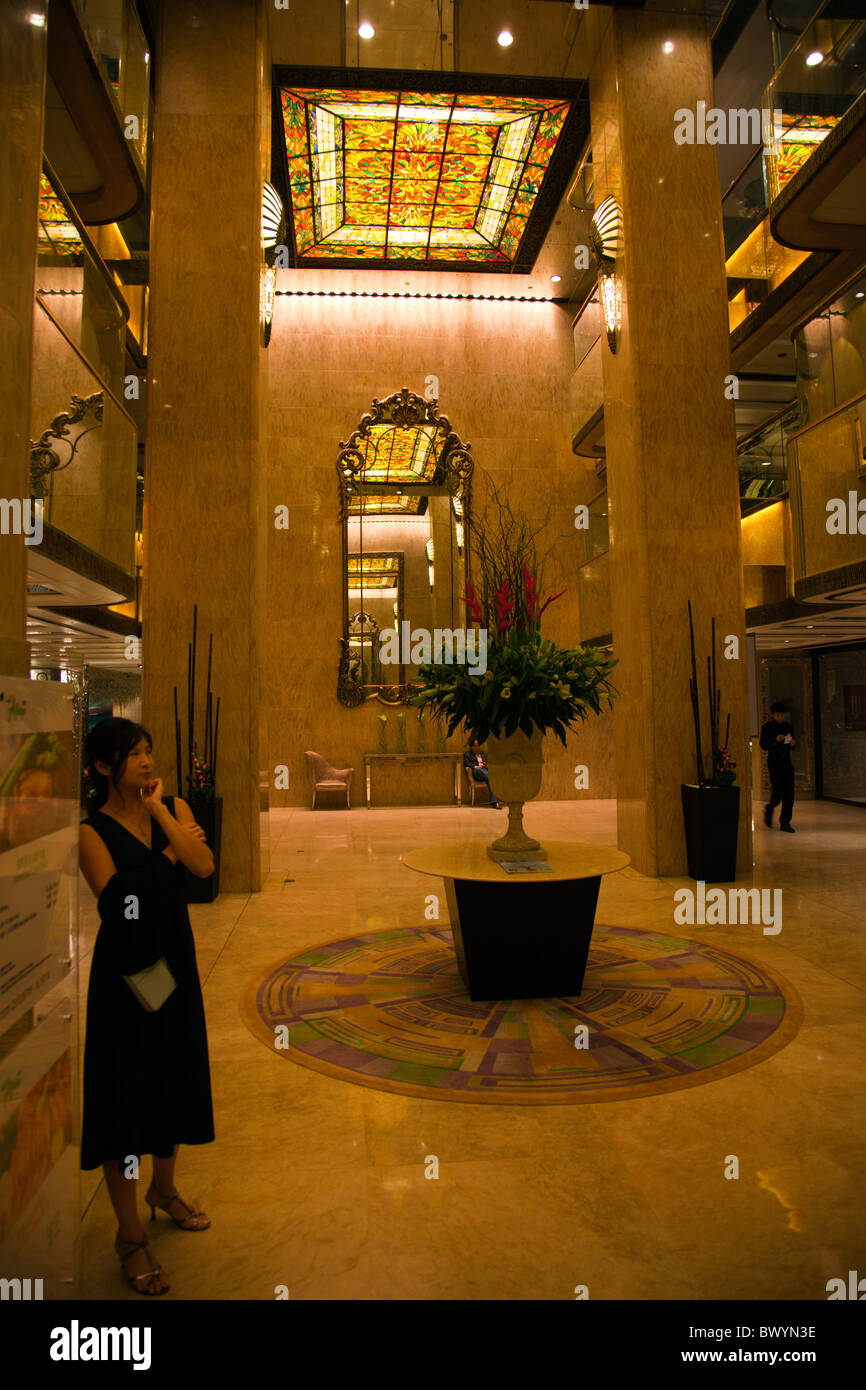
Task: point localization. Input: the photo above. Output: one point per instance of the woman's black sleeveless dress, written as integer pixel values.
(146, 1075)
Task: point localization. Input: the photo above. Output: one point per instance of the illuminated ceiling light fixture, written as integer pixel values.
(366, 31)
(273, 225)
(814, 58)
(555, 279)
(667, 46)
(457, 503)
(505, 39)
(606, 241)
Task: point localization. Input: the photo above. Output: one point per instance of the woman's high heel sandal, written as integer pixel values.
(164, 1203)
(134, 1280)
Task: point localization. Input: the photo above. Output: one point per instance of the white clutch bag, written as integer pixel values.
(152, 986)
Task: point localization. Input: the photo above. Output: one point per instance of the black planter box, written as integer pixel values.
(711, 816)
(209, 815)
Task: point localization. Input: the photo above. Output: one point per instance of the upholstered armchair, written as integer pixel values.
(327, 778)
(476, 788)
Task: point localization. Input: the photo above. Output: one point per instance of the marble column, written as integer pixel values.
(22, 94)
(671, 449)
(204, 520)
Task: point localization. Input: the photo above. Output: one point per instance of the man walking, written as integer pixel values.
(777, 738)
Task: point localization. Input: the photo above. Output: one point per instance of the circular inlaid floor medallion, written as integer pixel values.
(388, 1009)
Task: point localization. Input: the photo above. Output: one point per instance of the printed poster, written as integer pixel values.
(39, 815)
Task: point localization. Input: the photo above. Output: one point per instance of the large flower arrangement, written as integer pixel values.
(530, 683)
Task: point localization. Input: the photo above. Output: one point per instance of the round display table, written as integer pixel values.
(524, 934)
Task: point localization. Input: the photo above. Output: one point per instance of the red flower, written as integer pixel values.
(471, 601)
(550, 600)
(530, 590)
(504, 607)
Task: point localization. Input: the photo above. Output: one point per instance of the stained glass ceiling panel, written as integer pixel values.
(396, 456)
(444, 180)
(387, 504)
(56, 234)
(378, 571)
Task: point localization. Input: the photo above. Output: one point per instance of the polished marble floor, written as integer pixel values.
(319, 1186)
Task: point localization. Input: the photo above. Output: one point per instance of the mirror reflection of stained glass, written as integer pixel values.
(404, 494)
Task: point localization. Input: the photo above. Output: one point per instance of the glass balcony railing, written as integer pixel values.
(830, 354)
(118, 44)
(75, 287)
(755, 264)
(596, 538)
(84, 470)
(820, 78)
(762, 461)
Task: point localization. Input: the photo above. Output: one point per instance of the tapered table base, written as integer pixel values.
(522, 935)
(522, 941)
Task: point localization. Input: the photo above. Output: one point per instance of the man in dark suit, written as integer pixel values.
(777, 738)
(474, 759)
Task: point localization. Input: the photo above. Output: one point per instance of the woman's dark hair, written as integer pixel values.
(778, 707)
(110, 741)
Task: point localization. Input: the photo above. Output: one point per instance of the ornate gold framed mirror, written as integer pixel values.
(404, 483)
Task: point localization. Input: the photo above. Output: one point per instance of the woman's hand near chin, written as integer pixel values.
(151, 796)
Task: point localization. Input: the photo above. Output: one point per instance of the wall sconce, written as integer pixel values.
(429, 549)
(606, 240)
(457, 503)
(273, 237)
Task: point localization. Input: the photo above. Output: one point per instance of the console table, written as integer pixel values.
(413, 758)
(520, 935)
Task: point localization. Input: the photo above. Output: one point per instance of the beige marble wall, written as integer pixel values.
(671, 457)
(765, 536)
(503, 376)
(205, 521)
(22, 89)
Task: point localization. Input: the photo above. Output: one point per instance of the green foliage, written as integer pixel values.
(528, 685)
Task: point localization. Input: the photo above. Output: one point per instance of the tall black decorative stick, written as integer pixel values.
(177, 745)
(207, 714)
(711, 701)
(192, 695)
(216, 729)
(716, 694)
(693, 687)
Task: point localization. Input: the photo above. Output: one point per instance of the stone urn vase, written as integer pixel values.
(515, 764)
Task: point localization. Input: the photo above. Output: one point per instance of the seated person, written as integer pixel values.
(475, 760)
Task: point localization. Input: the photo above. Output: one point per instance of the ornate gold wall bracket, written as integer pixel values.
(43, 459)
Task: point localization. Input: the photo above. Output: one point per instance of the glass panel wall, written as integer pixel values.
(91, 492)
(842, 723)
(830, 353)
(762, 460)
(596, 539)
(116, 38)
(816, 83)
(86, 478)
(74, 285)
(755, 264)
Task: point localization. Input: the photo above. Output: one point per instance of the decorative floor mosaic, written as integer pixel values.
(389, 1010)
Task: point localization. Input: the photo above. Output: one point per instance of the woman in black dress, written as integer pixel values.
(146, 1074)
